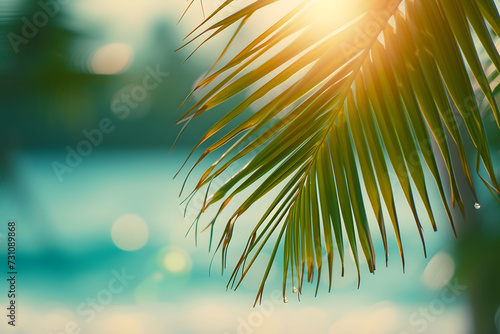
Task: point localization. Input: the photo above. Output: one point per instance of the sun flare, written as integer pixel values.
(333, 13)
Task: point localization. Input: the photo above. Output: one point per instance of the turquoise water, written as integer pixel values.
(74, 273)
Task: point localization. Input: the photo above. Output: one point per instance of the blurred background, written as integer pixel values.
(90, 91)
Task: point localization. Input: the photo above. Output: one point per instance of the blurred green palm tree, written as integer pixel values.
(356, 87)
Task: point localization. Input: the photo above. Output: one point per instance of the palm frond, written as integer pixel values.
(380, 84)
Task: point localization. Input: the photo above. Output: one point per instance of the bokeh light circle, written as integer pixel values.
(176, 260)
(111, 59)
(130, 232)
(439, 271)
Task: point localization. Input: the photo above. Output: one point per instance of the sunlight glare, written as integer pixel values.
(333, 13)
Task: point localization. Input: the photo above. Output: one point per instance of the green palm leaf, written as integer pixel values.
(364, 95)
